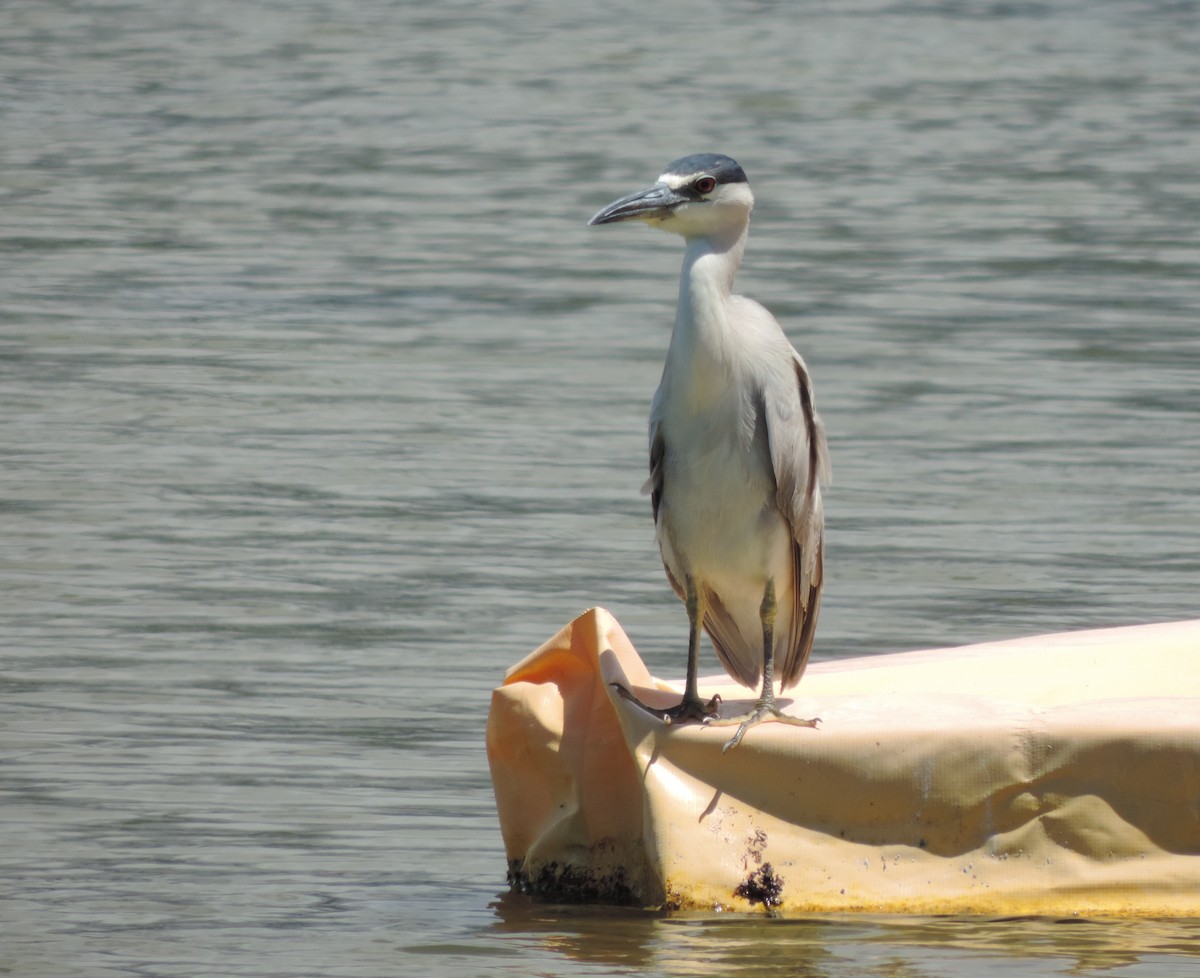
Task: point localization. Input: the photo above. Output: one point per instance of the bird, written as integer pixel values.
(738, 453)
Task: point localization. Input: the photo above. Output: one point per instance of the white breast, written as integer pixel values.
(718, 521)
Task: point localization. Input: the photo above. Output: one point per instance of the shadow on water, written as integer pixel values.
(831, 946)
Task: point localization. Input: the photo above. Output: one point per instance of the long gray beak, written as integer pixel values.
(653, 202)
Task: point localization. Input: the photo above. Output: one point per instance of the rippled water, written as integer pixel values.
(320, 405)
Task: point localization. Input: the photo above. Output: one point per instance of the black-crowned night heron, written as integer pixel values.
(737, 452)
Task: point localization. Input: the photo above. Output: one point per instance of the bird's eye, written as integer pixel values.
(705, 185)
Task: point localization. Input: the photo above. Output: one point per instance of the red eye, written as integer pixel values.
(705, 185)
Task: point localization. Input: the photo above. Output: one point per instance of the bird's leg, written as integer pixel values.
(691, 707)
(765, 707)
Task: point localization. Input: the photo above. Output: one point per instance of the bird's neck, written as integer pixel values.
(705, 285)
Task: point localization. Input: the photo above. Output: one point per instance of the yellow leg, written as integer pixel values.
(765, 707)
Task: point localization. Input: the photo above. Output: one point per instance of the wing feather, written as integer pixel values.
(800, 461)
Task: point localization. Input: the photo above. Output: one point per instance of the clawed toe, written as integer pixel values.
(695, 710)
(761, 712)
(688, 709)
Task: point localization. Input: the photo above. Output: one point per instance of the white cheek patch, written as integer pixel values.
(734, 193)
(675, 181)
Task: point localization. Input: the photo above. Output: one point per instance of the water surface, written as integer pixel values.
(320, 406)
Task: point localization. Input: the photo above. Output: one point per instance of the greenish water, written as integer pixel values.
(320, 406)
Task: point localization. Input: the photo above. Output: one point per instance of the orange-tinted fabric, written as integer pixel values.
(1050, 775)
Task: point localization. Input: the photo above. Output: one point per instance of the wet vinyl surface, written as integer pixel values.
(320, 406)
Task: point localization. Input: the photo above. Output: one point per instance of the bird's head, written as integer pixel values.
(705, 195)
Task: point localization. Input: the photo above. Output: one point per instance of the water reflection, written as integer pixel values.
(611, 936)
(626, 941)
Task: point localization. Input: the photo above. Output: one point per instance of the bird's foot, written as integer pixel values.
(692, 708)
(762, 711)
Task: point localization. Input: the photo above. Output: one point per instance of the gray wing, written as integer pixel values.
(653, 486)
(800, 460)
